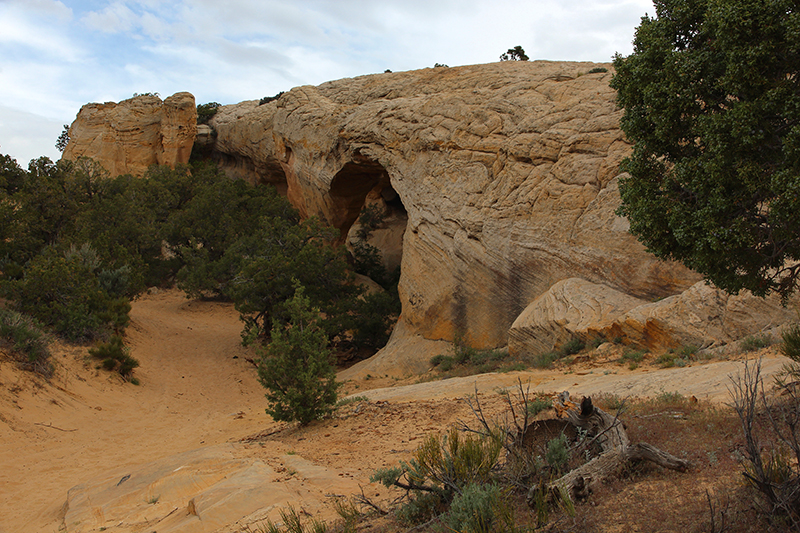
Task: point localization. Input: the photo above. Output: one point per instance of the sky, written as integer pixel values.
(56, 56)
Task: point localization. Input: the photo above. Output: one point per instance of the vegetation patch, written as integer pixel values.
(790, 346)
(754, 343)
(114, 355)
(27, 340)
(466, 361)
(296, 366)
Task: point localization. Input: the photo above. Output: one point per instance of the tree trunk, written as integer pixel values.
(616, 452)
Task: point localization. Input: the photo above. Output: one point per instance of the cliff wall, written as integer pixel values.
(507, 173)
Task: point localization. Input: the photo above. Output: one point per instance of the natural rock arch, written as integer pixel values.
(363, 182)
(349, 188)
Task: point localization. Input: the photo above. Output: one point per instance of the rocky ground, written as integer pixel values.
(191, 449)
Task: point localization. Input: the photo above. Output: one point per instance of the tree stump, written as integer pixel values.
(608, 433)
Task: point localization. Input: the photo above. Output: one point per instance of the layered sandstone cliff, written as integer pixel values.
(128, 137)
(507, 172)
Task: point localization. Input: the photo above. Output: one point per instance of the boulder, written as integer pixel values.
(571, 308)
(128, 137)
(703, 316)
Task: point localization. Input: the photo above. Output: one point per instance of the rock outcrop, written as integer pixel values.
(702, 316)
(498, 182)
(128, 137)
(213, 489)
(507, 174)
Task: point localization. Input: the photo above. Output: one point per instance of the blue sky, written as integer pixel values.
(56, 56)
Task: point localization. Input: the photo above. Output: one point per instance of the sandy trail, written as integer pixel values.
(193, 393)
(197, 390)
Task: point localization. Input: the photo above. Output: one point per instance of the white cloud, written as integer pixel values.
(154, 27)
(27, 136)
(42, 8)
(39, 31)
(54, 58)
(115, 18)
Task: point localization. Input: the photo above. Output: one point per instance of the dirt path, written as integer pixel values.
(198, 391)
(193, 393)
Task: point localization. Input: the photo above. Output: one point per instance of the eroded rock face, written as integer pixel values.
(702, 316)
(507, 172)
(499, 181)
(128, 137)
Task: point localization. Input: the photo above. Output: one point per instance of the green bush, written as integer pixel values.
(420, 508)
(670, 358)
(25, 337)
(438, 359)
(206, 111)
(469, 360)
(455, 461)
(447, 363)
(539, 404)
(296, 368)
(688, 351)
(293, 524)
(544, 360)
(557, 454)
(635, 356)
(367, 260)
(755, 342)
(277, 252)
(475, 510)
(216, 214)
(440, 469)
(268, 99)
(571, 347)
(791, 342)
(373, 318)
(115, 355)
(63, 290)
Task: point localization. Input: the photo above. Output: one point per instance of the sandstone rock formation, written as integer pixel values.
(498, 182)
(128, 137)
(205, 490)
(702, 316)
(571, 308)
(507, 173)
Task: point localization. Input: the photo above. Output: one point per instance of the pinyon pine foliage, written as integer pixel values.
(296, 367)
(711, 96)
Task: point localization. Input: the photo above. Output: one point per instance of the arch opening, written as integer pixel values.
(369, 210)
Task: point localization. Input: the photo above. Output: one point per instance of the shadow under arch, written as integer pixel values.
(363, 181)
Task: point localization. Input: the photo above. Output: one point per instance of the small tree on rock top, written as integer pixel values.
(295, 367)
(514, 54)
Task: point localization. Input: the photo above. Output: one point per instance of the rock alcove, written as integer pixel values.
(366, 187)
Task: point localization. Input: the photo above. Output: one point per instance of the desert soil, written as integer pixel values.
(198, 390)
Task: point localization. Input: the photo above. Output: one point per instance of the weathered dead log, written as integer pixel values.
(607, 433)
